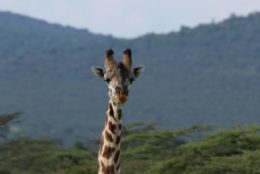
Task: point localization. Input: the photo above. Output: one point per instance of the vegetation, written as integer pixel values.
(145, 150)
(5, 119)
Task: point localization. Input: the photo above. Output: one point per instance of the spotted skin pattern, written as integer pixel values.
(109, 152)
(119, 76)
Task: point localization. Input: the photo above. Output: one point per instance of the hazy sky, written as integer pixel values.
(130, 18)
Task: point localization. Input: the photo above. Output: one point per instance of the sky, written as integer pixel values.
(130, 18)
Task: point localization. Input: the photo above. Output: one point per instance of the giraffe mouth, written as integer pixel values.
(121, 99)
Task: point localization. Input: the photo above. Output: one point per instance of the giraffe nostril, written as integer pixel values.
(118, 90)
(126, 92)
(121, 90)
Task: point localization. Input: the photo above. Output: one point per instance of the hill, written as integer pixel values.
(203, 75)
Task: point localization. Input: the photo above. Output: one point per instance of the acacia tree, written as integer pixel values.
(5, 120)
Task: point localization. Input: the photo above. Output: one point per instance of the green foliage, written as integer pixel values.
(234, 151)
(229, 151)
(26, 156)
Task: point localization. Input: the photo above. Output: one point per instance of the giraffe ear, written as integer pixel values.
(98, 71)
(137, 71)
(127, 59)
(109, 62)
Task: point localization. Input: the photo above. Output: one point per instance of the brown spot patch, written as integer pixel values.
(117, 156)
(101, 144)
(111, 169)
(103, 167)
(107, 169)
(111, 111)
(112, 127)
(108, 152)
(108, 136)
(118, 166)
(119, 113)
(118, 140)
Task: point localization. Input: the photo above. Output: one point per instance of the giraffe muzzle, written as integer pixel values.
(121, 98)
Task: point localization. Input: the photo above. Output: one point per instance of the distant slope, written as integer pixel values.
(205, 75)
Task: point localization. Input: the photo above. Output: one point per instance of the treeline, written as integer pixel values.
(146, 150)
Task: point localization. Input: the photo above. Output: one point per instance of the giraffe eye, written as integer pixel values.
(108, 80)
(131, 80)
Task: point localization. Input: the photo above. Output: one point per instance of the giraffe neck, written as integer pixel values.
(109, 151)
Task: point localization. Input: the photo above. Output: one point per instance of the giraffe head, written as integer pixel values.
(118, 75)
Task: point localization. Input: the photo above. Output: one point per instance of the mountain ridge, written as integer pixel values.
(203, 75)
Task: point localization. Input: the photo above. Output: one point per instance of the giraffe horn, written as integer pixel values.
(109, 60)
(127, 58)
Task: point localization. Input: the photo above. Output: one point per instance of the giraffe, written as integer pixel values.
(119, 76)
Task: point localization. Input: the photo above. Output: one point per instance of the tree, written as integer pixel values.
(5, 120)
